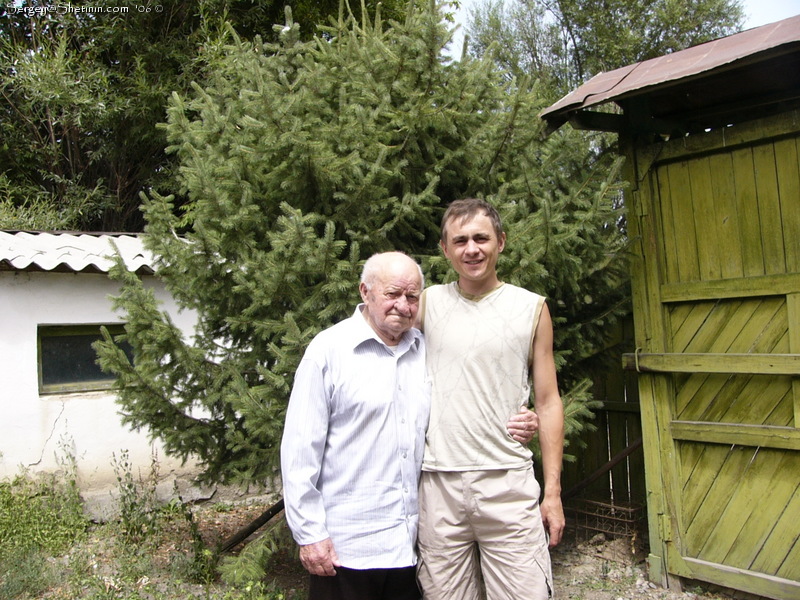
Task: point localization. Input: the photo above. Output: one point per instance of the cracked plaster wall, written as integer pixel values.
(36, 431)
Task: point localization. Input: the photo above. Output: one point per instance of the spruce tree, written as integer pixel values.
(302, 158)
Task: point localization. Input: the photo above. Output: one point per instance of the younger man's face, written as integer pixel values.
(472, 247)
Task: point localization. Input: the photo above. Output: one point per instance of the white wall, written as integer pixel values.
(34, 426)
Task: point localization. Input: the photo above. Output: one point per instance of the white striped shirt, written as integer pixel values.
(353, 442)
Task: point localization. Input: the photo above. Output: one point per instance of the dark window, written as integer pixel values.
(67, 361)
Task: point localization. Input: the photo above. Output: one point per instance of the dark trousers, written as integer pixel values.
(366, 584)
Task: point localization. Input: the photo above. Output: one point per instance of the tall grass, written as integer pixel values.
(49, 550)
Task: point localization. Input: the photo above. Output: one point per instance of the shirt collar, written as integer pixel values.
(360, 332)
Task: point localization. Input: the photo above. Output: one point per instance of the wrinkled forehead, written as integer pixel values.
(400, 276)
(401, 283)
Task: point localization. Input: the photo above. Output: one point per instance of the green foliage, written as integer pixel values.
(298, 160)
(40, 517)
(82, 93)
(564, 43)
(78, 108)
(200, 565)
(136, 499)
(615, 33)
(30, 209)
(258, 557)
(27, 573)
(48, 549)
(39, 514)
(258, 590)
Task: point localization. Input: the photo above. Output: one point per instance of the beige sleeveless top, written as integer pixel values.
(478, 358)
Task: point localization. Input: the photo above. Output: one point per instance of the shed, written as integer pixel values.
(55, 401)
(711, 137)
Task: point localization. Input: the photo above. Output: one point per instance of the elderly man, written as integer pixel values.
(481, 523)
(353, 442)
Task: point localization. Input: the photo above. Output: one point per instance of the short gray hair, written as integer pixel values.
(375, 263)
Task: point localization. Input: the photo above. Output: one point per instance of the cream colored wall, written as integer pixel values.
(36, 429)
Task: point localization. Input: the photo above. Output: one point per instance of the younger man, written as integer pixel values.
(480, 518)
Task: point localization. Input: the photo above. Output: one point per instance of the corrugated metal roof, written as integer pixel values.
(71, 252)
(641, 77)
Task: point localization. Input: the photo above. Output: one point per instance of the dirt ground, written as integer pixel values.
(601, 569)
(595, 569)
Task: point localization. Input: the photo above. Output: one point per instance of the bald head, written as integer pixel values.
(391, 284)
(379, 262)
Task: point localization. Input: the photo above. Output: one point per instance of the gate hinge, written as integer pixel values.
(666, 528)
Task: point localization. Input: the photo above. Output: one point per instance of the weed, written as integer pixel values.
(257, 591)
(27, 573)
(39, 514)
(151, 552)
(137, 499)
(40, 517)
(257, 557)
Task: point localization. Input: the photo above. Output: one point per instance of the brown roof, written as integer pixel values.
(725, 55)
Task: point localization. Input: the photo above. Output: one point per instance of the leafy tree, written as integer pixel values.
(82, 94)
(565, 42)
(300, 159)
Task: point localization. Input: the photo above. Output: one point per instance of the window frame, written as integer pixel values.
(47, 330)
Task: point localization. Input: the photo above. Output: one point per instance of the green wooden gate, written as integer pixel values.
(716, 223)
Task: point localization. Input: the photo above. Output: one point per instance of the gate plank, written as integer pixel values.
(726, 231)
(765, 364)
(778, 588)
(757, 530)
(756, 402)
(685, 249)
(669, 223)
(723, 487)
(699, 182)
(793, 313)
(700, 464)
(776, 556)
(766, 285)
(769, 208)
(749, 486)
(787, 159)
(765, 436)
(749, 222)
(721, 336)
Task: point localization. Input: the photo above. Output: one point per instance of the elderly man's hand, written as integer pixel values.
(523, 425)
(320, 558)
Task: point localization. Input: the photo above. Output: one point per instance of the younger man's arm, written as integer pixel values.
(548, 405)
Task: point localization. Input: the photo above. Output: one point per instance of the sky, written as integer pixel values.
(757, 12)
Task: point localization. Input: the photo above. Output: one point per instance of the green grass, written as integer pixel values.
(39, 514)
(49, 550)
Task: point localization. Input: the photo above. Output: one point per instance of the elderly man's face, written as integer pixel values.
(392, 301)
